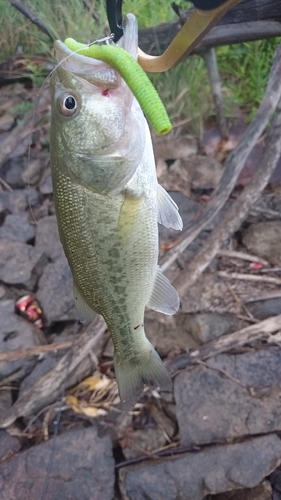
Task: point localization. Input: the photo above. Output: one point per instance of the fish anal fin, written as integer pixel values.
(84, 312)
(164, 298)
(168, 212)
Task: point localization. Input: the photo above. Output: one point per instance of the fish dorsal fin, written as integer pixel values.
(84, 312)
(164, 298)
(168, 212)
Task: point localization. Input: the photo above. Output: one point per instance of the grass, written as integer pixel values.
(184, 89)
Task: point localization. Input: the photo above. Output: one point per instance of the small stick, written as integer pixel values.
(27, 12)
(210, 58)
(249, 277)
(242, 256)
(226, 342)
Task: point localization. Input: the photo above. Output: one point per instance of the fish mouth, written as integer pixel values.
(94, 71)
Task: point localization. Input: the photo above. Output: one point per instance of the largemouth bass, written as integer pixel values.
(108, 202)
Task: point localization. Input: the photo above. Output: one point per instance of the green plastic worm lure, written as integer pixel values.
(135, 78)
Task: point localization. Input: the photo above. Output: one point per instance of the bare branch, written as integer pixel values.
(27, 12)
(240, 338)
(234, 164)
(232, 220)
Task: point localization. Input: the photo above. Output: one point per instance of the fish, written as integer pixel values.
(108, 205)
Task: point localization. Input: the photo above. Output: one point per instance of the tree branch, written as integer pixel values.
(233, 165)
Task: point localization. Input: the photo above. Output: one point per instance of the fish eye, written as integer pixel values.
(67, 104)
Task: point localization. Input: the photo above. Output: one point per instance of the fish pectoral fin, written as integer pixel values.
(164, 298)
(168, 212)
(84, 312)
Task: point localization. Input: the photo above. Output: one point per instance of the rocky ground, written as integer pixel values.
(217, 436)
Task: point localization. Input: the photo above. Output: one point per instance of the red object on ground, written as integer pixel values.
(29, 308)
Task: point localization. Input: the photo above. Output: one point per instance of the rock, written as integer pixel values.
(16, 333)
(264, 239)
(21, 264)
(261, 492)
(275, 481)
(8, 445)
(5, 401)
(33, 171)
(17, 228)
(13, 201)
(174, 149)
(193, 475)
(262, 309)
(55, 292)
(6, 122)
(18, 200)
(204, 327)
(47, 237)
(81, 468)
(140, 442)
(12, 169)
(211, 407)
(167, 333)
(47, 186)
(205, 172)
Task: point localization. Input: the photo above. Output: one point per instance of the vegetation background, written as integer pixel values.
(185, 89)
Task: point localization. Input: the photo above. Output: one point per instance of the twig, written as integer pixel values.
(223, 372)
(243, 256)
(48, 388)
(249, 277)
(25, 353)
(233, 165)
(27, 12)
(5, 184)
(210, 58)
(241, 304)
(239, 210)
(226, 342)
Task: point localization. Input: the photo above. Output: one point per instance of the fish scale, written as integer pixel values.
(108, 202)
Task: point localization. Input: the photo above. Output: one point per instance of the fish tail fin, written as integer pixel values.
(133, 374)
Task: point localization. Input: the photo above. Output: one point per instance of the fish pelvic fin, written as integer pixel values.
(133, 374)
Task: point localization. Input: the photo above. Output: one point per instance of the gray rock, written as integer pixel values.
(205, 172)
(16, 333)
(138, 443)
(11, 171)
(8, 444)
(17, 228)
(82, 468)
(166, 333)
(47, 237)
(261, 492)
(264, 239)
(55, 292)
(215, 469)
(33, 171)
(5, 401)
(13, 201)
(211, 407)
(262, 309)
(47, 186)
(18, 200)
(21, 264)
(204, 327)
